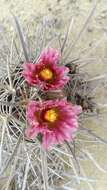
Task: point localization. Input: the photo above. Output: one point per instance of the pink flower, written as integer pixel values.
(46, 73)
(56, 120)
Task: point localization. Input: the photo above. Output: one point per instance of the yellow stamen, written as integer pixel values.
(51, 115)
(46, 74)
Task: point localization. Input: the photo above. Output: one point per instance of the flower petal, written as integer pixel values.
(48, 60)
(62, 128)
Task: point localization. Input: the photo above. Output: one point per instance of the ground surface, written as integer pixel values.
(30, 11)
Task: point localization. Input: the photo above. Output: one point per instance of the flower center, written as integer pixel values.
(46, 74)
(51, 115)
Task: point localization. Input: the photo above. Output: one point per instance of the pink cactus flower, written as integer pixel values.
(46, 73)
(56, 120)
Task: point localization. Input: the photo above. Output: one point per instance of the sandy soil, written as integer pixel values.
(32, 11)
